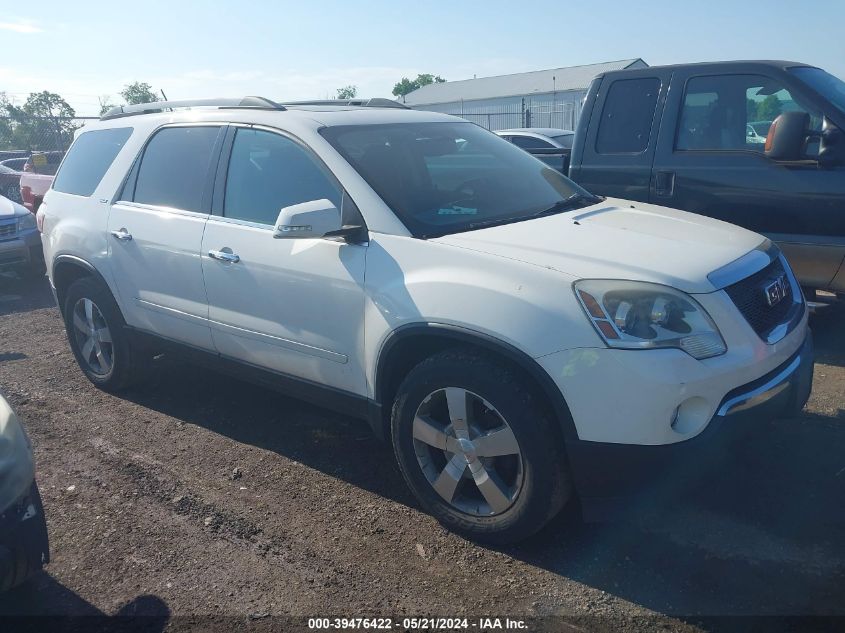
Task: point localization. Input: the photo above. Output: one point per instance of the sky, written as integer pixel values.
(306, 50)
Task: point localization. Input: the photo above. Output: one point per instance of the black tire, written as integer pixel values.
(545, 482)
(129, 363)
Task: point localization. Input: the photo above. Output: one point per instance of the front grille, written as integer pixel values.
(8, 229)
(749, 295)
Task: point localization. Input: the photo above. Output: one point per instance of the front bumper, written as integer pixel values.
(24, 545)
(21, 251)
(606, 475)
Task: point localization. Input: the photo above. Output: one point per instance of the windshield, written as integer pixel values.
(828, 86)
(447, 177)
(565, 140)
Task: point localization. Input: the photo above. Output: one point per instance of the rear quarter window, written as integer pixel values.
(89, 159)
(627, 116)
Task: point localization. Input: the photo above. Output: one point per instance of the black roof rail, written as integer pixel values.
(258, 103)
(375, 102)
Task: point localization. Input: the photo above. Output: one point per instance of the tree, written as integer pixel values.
(105, 104)
(769, 108)
(406, 85)
(347, 92)
(44, 122)
(6, 126)
(138, 92)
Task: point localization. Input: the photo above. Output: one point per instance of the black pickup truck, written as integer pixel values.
(759, 144)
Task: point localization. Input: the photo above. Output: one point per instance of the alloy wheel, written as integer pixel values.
(93, 337)
(467, 452)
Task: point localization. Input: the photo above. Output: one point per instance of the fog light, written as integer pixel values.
(691, 416)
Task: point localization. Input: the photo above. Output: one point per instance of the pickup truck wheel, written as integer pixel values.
(98, 339)
(477, 449)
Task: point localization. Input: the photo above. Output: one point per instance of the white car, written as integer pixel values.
(539, 137)
(24, 545)
(517, 339)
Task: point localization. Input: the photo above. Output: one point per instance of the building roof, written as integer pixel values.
(534, 82)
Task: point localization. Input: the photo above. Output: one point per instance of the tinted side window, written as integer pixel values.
(89, 158)
(174, 167)
(529, 142)
(267, 172)
(734, 112)
(627, 116)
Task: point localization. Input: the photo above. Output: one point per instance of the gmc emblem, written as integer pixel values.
(776, 291)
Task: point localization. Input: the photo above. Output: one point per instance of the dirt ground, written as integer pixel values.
(203, 496)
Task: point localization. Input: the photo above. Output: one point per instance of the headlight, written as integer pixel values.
(26, 222)
(640, 315)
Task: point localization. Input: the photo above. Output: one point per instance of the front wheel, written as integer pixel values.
(477, 448)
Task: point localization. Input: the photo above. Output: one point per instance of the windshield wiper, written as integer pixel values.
(494, 222)
(568, 203)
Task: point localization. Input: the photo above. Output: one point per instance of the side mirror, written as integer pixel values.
(316, 218)
(831, 145)
(787, 136)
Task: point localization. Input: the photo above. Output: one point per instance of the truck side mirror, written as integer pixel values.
(831, 144)
(787, 136)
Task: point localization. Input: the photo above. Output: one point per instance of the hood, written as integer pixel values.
(619, 239)
(9, 209)
(17, 469)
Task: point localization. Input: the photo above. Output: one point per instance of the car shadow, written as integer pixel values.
(23, 295)
(760, 535)
(828, 325)
(44, 604)
(255, 415)
(771, 516)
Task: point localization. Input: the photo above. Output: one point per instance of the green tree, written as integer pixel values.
(750, 110)
(347, 92)
(105, 104)
(769, 108)
(44, 122)
(6, 124)
(138, 92)
(407, 85)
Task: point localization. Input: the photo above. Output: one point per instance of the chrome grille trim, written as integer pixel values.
(742, 268)
(8, 228)
(771, 323)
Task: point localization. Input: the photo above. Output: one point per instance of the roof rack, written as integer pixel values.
(257, 103)
(376, 102)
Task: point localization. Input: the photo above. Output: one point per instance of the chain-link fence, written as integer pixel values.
(510, 112)
(32, 144)
(26, 134)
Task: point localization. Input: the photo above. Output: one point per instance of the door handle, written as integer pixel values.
(664, 183)
(123, 235)
(223, 256)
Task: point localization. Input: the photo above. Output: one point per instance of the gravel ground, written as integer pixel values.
(202, 496)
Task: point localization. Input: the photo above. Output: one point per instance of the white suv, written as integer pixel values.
(519, 340)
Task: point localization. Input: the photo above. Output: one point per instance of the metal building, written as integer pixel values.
(542, 98)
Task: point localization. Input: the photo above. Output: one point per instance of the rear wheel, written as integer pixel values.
(477, 449)
(95, 330)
